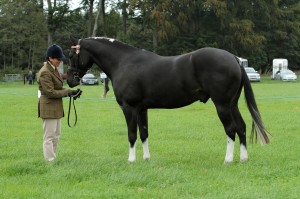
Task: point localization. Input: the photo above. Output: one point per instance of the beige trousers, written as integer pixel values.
(52, 130)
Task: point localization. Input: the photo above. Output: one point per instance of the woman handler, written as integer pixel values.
(50, 106)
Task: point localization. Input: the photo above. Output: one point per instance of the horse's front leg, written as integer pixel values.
(143, 127)
(131, 120)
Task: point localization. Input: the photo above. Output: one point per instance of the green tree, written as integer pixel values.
(259, 30)
(163, 18)
(56, 12)
(284, 32)
(23, 30)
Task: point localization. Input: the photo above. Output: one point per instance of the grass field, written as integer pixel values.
(187, 147)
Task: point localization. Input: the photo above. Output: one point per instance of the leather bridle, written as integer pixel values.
(78, 63)
(75, 75)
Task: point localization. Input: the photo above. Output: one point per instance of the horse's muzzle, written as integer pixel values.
(73, 78)
(73, 82)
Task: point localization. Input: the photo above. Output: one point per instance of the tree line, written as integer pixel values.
(258, 30)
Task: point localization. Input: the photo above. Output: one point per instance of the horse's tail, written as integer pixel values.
(257, 123)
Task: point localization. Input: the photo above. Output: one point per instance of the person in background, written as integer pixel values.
(25, 78)
(30, 77)
(50, 105)
(33, 77)
(103, 76)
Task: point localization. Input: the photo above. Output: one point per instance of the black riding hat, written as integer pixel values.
(55, 51)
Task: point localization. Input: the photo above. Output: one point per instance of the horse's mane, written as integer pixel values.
(113, 41)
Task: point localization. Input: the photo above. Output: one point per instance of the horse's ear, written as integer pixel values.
(74, 40)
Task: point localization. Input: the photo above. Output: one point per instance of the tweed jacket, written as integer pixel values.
(50, 104)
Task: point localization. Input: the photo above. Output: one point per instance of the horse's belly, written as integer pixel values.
(169, 102)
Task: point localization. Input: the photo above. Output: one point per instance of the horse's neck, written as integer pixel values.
(109, 56)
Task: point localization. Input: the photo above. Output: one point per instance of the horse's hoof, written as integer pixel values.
(131, 161)
(146, 158)
(228, 162)
(244, 160)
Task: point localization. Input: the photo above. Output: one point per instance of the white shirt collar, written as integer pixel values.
(51, 65)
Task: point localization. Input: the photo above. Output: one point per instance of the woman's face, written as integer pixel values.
(54, 61)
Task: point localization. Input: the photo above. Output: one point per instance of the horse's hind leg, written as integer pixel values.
(143, 127)
(241, 131)
(131, 120)
(224, 113)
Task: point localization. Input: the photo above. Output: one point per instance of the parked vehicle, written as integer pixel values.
(278, 65)
(89, 79)
(252, 74)
(286, 75)
(242, 61)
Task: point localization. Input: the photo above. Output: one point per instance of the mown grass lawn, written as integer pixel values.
(187, 147)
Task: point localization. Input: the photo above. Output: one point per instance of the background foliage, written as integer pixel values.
(259, 30)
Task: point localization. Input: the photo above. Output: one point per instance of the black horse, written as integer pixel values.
(142, 80)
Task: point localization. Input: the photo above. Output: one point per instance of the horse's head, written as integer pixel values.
(80, 63)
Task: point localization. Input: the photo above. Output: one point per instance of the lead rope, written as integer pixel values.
(77, 47)
(70, 103)
(73, 98)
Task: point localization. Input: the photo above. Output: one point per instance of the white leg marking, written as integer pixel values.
(132, 156)
(146, 150)
(243, 153)
(229, 151)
